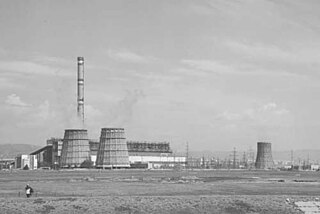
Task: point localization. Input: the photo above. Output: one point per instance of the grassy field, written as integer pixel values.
(140, 191)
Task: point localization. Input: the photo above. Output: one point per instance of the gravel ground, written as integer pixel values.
(138, 191)
(163, 204)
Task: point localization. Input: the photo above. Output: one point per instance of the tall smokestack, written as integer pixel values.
(80, 99)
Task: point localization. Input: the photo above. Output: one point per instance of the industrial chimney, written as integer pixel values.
(80, 99)
(264, 156)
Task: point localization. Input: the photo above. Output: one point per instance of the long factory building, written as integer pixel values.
(141, 154)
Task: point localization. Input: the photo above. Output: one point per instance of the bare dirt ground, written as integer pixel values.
(140, 191)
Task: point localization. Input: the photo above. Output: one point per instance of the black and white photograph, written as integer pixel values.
(160, 106)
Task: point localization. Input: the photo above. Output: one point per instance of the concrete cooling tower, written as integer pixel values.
(264, 156)
(75, 148)
(113, 150)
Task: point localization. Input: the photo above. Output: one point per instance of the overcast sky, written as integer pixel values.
(217, 74)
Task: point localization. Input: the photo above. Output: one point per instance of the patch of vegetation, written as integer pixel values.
(243, 205)
(304, 180)
(46, 209)
(233, 210)
(124, 209)
(86, 164)
(239, 207)
(89, 179)
(76, 207)
(215, 179)
(66, 199)
(39, 201)
(184, 211)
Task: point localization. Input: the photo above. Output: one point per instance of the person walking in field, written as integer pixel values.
(29, 191)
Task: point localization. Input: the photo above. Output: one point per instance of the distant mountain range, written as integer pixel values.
(12, 150)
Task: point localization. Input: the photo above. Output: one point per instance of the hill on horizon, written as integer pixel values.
(12, 150)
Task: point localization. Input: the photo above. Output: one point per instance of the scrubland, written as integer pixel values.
(156, 191)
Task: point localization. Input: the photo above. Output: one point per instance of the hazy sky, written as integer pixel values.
(217, 74)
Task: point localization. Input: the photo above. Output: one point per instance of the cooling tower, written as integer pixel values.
(75, 148)
(264, 156)
(113, 150)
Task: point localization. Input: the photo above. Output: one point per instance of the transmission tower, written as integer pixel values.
(187, 155)
(234, 154)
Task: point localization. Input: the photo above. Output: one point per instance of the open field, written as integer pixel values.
(139, 191)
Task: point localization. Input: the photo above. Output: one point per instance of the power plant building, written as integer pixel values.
(94, 148)
(43, 157)
(56, 144)
(26, 161)
(141, 154)
(153, 155)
